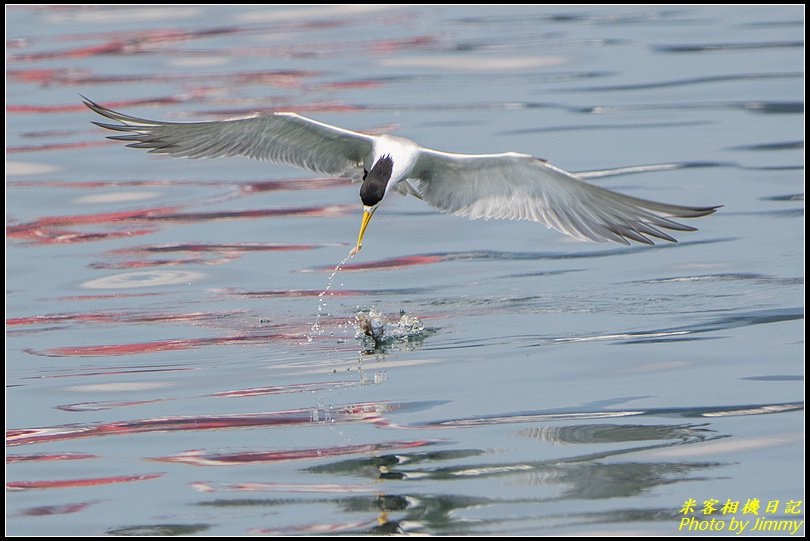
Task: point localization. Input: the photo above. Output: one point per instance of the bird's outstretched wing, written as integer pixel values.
(283, 138)
(520, 187)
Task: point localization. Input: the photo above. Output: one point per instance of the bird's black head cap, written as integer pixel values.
(376, 180)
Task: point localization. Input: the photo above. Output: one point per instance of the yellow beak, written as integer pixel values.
(367, 213)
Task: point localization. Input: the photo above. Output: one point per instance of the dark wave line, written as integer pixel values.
(723, 47)
(691, 81)
(579, 414)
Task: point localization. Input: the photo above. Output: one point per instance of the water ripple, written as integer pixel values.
(731, 78)
(726, 47)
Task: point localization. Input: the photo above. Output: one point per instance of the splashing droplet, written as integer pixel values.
(316, 329)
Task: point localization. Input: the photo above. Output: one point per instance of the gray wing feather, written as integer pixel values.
(520, 187)
(283, 138)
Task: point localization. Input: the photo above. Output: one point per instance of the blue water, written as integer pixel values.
(163, 375)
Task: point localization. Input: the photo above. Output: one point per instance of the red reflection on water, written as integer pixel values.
(319, 529)
(73, 76)
(144, 263)
(61, 236)
(37, 457)
(159, 345)
(79, 106)
(207, 458)
(360, 412)
(119, 317)
(55, 318)
(390, 45)
(39, 75)
(98, 296)
(201, 486)
(322, 210)
(93, 184)
(321, 106)
(100, 406)
(124, 43)
(226, 251)
(238, 393)
(299, 292)
(360, 83)
(65, 483)
(218, 247)
(89, 183)
(56, 146)
(110, 47)
(294, 184)
(156, 34)
(246, 187)
(291, 388)
(307, 50)
(386, 264)
(95, 218)
(122, 349)
(106, 373)
(45, 229)
(44, 510)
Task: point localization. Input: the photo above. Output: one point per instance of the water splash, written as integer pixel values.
(379, 332)
(317, 329)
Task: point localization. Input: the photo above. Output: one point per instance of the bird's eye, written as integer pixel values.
(365, 174)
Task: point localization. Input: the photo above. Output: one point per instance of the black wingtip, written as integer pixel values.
(90, 104)
(711, 210)
(692, 212)
(96, 108)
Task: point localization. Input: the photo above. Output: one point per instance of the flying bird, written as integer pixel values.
(508, 185)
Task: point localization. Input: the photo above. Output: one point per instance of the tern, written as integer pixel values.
(507, 185)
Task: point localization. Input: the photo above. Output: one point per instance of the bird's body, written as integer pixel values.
(506, 186)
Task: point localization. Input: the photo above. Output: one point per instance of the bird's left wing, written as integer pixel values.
(520, 187)
(284, 138)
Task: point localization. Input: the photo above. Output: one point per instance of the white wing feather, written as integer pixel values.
(284, 138)
(520, 187)
(507, 186)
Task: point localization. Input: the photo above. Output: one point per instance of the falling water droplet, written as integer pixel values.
(316, 329)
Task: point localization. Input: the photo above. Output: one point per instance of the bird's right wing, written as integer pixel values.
(283, 138)
(520, 187)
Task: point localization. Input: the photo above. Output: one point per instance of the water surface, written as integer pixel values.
(175, 367)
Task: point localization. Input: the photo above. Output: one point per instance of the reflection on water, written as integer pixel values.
(568, 478)
(160, 529)
(578, 476)
(179, 360)
(613, 433)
